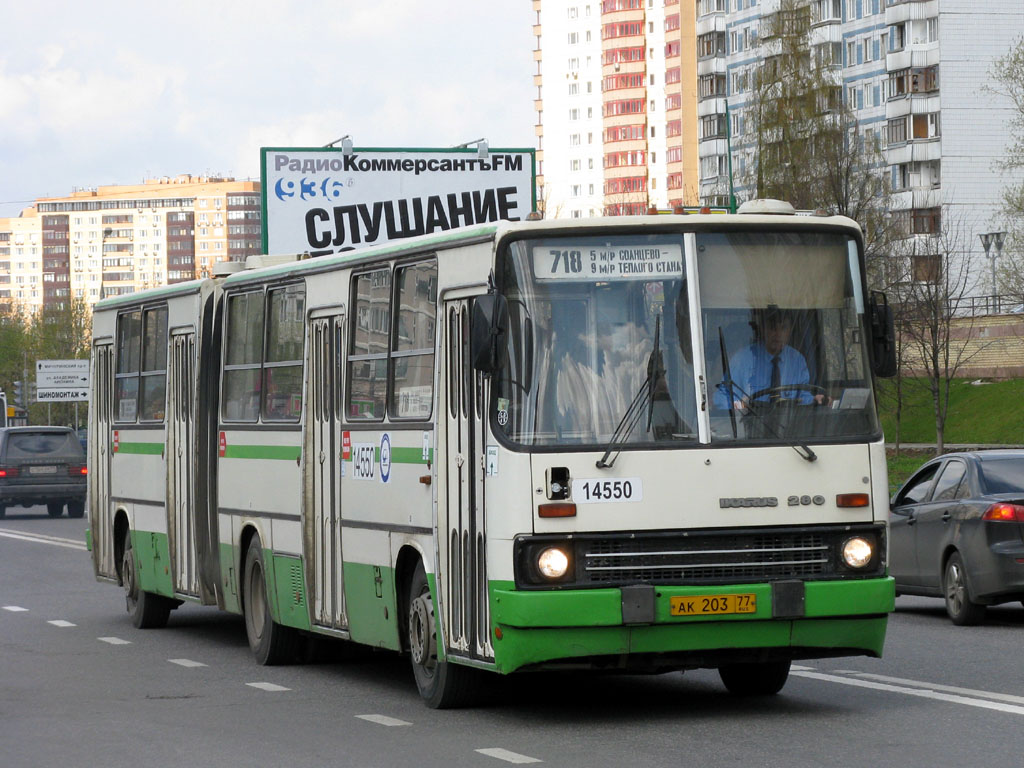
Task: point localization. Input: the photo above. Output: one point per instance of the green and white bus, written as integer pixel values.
(520, 446)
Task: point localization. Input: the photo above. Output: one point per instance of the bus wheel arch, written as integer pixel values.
(270, 642)
(441, 684)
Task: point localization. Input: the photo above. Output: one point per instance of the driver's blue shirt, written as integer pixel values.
(751, 370)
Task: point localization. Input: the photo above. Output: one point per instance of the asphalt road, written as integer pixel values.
(79, 686)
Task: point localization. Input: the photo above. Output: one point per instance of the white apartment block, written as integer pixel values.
(916, 74)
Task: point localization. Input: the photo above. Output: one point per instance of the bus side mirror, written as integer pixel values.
(883, 336)
(487, 332)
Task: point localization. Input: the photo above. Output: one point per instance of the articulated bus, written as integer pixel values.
(520, 446)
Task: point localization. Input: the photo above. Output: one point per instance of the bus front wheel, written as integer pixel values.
(148, 611)
(442, 684)
(764, 678)
(270, 642)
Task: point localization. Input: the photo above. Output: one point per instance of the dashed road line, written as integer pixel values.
(42, 538)
(508, 757)
(928, 691)
(268, 687)
(186, 663)
(383, 720)
(14, 608)
(114, 640)
(61, 623)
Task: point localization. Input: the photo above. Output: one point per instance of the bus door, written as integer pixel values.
(322, 522)
(462, 534)
(181, 460)
(99, 445)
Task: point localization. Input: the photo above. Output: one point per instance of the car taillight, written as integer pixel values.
(9, 471)
(75, 471)
(1005, 512)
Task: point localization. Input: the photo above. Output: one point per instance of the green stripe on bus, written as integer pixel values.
(147, 449)
(403, 456)
(282, 452)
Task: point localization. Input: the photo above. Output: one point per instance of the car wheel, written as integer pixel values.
(54, 509)
(3, 511)
(442, 685)
(76, 509)
(270, 642)
(764, 678)
(961, 609)
(148, 611)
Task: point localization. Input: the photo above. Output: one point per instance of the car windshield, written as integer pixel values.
(31, 445)
(1002, 475)
(601, 339)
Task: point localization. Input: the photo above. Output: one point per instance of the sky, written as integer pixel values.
(115, 92)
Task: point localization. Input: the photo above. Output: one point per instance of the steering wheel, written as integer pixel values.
(783, 388)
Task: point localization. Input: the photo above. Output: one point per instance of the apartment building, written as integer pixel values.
(616, 100)
(676, 75)
(111, 240)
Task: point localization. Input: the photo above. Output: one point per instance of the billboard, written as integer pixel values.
(328, 200)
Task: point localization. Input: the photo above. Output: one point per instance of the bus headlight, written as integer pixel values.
(552, 563)
(858, 552)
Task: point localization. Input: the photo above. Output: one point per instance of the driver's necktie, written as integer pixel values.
(776, 378)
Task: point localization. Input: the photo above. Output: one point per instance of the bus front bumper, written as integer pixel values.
(624, 628)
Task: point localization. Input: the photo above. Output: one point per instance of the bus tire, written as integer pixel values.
(148, 611)
(764, 678)
(442, 684)
(271, 643)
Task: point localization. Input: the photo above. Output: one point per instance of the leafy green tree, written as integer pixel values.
(59, 332)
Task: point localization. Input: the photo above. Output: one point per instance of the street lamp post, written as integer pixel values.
(988, 239)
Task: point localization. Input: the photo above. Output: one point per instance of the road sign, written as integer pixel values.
(62, 381)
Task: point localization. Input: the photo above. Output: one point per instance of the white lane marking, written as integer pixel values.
(947, 688)
(508, 757)
(383, 720)
(114, 640)
(14, 608)
(924, 693)
(61, 623)
(40, 538)
(186, 663)
(268, 687)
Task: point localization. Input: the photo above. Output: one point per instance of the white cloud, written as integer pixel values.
(95, 98)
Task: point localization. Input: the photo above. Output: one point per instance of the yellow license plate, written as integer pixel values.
(712, 605)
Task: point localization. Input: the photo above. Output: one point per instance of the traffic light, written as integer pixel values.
(31, 392)
(19, 394)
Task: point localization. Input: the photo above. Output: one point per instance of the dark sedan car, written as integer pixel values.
(957, 532)
(42, 465)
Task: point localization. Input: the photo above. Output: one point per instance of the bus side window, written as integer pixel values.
(126, 377)
(368, 352)
(242, 357)
(412, 370)
(154, 364)
(282, 372)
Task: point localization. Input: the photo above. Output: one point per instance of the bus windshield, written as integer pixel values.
(601, 343)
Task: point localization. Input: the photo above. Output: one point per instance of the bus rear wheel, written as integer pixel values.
(764, 678)
(271, 643)
(442, 684)
(148, 611)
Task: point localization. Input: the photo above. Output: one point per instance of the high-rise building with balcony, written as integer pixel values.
(645, 102)
(615, 106)
(117, 239)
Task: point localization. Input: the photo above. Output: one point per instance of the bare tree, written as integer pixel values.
(936, 294)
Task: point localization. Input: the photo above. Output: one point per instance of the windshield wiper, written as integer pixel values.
(644, 397)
